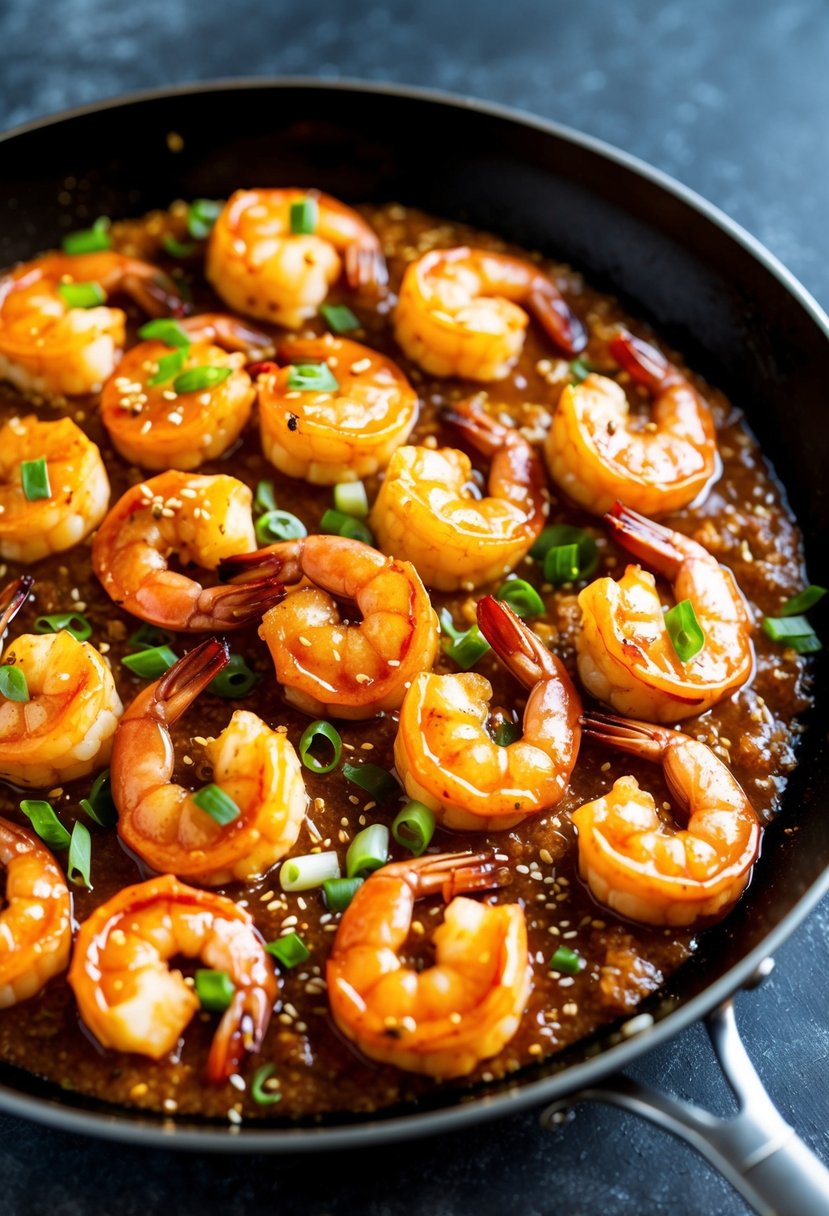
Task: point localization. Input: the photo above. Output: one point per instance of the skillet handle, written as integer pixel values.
(756, 1150)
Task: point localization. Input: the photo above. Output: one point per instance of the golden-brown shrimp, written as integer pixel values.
(130, 998)
(349, 670)
(36, 919)
(625, 654)
(200, 519)
(458, 312)
(646, 869)
(48, 344)
(260, 267)
(448, 760)
(158, 428)
(428, 512)
(253, 765)
(342, 434)
(445, 1020)
(597, 453)
(78, 488)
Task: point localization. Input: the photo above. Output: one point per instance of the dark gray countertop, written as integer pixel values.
(732, 98)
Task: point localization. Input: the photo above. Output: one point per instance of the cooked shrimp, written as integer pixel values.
(597, 453)
(428, 512)
(327, 665)
(458, 312)
(448, 760)
(48, 345)
(625, 654)
(343, 434)
(78, 488)
(130, 998)
(36, 919)
(642, 867)
(445, 1020)
(198, 518)
(153, 425)
(260, 267)
(255, 766)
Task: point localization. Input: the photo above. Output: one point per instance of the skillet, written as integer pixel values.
(672, 259)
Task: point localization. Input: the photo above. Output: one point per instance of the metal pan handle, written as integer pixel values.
(756, 1150)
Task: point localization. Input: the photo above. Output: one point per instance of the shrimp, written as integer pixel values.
(36, 919)
(625, 654)
(255, 766)
(447, 759)
(261, 267)
(339, 435)
(199, 518)
(458, 312)
(65, 726)
(77, 489)
(50, 345)
(442, 1021)
(349, 670)
(132, 1000)
(645, 869)
(428, 512)
(153, 425)
(597, 453)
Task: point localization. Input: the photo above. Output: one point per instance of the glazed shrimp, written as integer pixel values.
(447, 759)
(327, 665)
(255, 766)
(78, 488)
(49, 345)
(261, 268)
(198, 518)
(427, 512)
(64, 727)
(344, 434)
(650, 871)
(458, 312)
(625, 654)
(597, 453)
(154, 426)
(445, 1020)
(132, 1000)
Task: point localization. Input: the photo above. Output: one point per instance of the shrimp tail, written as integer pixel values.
(157, 293)
(365, 266)
(12, 598)
(650, 542)
(262, 367)
(483, 433)
(236, 605)
(647, 365)
(178, 688)
(229, 332)
(240, 1033)
(455, 873)
(280, 560)
(627, 735)
(520, 650)
(557, 318)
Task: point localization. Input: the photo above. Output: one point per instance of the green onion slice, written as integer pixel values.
(80, 856)
(289, 950)
(558, 536)
(793, 631)
(368, 851)
(89, 240)
(100, 806)
(568, 961)
(278, 525)
(214, 989)
(684, 630)
(151, 662)
(464, 647)
(176, 248)
(350, 498)
(308, 871)
(148, 636)
(414, 827)
(579, 370)
(13, 684)
(166, 330)
(339, 318)
(34, 477)
(168, 367)
(264, 499)
(73, 622)
(234, 680)
(217, 804)
(506, 733)
(257, 1086)
(373, 779)
(320, 730)
(45, 822)
(339, 892)
(335, 523)
(197, 378)
(803, 601)
(82, 295)
(522, 598)
(304, 215)
(312, 378)
(201, 216)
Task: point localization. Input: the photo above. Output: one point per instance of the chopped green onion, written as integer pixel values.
(568, 961)
(373, 779)
(289, 950)
(339, 318)
(312, 378)
(350, 498)
(562, 536)
(80, 856)
(522, 598)
(214, 989)
(304, 214)
(579, 371)
(151, 662)
(82, 295)
(166, 330)
(176, 248)
(506, 732)
(278, 525)
(234, 680)
(339, 892)
(34, 477)
(13, 684)
(100, 806)
(414, 827)
(197, 378)
(803, 601)
(168, 367)
(89, 240)
(148, 636)
(264, 499)
(257, 1091)
(217, 804)
(309, 871)
(335, 523)
(45, 822)
(684, 630)
(368, 851)
(73, 622)
(561, 565)
(320, 730)
(793, 631)
(201, 216)
(463, 647)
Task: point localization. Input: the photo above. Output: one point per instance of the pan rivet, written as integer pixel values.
(762, 972)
